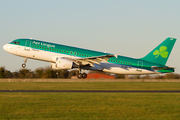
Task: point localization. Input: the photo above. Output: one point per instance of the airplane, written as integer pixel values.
(68, 57)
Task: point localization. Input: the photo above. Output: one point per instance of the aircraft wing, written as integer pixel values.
(90, 60)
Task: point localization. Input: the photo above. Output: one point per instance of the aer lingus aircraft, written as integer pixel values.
(68, 57)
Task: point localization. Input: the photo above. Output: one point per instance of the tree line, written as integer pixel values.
(48, 72)
(45, 72)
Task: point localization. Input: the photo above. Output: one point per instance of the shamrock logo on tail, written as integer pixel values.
(162, 51)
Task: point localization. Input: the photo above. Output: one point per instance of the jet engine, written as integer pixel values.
(62, 63)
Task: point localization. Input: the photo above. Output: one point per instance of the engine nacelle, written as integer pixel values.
(62, 63)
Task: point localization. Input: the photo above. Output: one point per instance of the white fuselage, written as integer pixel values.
(47, 56)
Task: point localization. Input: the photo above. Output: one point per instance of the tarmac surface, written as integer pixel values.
(89, 91)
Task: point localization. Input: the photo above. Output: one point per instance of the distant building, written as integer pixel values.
(99, 76)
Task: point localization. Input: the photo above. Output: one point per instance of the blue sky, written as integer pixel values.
(126, 27)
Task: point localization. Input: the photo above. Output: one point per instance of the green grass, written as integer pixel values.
(88, 86)
(90, 106)
(96, 106)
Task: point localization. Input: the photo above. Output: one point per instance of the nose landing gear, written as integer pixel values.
(24, 64)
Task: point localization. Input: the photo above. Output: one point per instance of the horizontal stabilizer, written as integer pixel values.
(161, 68)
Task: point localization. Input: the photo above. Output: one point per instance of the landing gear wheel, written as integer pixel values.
(84, 75)
(79, 76)
(23, 65)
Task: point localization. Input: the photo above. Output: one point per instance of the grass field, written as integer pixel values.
(88, 86)
(88, 106)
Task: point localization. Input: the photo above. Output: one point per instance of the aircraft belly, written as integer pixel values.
(122, 69)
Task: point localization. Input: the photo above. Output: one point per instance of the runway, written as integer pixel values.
(88, 91)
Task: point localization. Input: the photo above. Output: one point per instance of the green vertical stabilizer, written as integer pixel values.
(161, 53)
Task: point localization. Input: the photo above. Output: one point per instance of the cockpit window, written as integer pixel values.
(15, 42)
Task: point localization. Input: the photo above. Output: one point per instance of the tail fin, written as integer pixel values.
(161, 53)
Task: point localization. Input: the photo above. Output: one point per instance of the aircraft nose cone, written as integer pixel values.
(6, 47)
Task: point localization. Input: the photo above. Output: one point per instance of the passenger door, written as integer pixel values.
(27, 45)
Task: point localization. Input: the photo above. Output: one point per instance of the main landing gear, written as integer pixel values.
(82, 75)
(24, 64)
